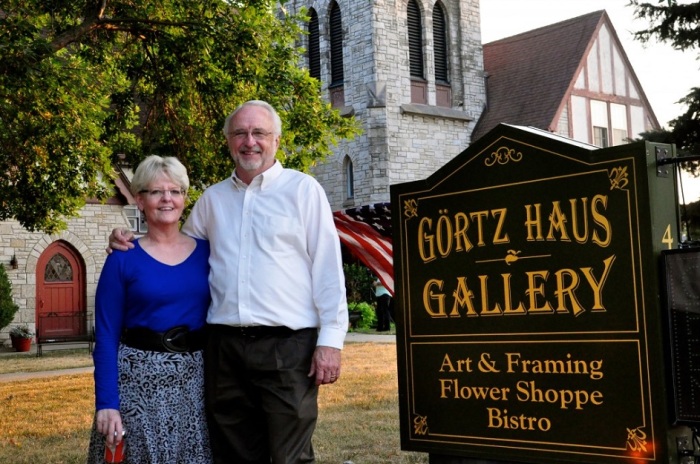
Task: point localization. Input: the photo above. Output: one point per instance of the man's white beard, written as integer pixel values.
(250, 164)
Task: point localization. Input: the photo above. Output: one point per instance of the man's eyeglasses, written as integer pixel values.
(156, 193)
(258, 134)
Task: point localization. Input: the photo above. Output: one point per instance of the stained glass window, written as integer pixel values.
(58, 269)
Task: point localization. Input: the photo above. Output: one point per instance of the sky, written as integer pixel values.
(666, 75)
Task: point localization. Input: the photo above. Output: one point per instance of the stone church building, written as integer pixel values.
(411, 71)
(417, 77)
(413, 74)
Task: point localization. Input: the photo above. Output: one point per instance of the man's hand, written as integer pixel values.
(120, 239)
(325, 365)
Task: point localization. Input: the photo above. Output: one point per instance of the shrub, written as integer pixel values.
(369, 317)
(358, 283)
(8, 308)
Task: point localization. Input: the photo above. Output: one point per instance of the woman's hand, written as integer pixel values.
(109, 424)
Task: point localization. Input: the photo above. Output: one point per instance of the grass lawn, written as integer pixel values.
(48, 419)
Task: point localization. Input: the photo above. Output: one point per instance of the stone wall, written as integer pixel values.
(87, 234)
(401, 141)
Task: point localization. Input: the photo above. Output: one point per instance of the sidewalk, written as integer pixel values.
(355, 337)
(352, 337)
(43, 374)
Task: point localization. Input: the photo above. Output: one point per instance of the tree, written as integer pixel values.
(678, 24)
(8, 307)
(358, 282)
(84, 81)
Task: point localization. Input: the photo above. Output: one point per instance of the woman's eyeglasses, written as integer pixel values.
(156, 193)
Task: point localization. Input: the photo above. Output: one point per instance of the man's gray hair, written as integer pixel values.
(276, 121)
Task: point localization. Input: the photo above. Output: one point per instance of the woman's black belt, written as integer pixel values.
(176, 340)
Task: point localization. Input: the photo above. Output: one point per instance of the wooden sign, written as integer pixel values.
(527, 299)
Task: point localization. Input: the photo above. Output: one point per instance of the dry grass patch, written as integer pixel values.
(359, 417)
(48, 420)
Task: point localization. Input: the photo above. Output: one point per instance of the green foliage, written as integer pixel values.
(368, 317)
(81, 82)
(21, 331)
(686, 127)
(670, 21)
(358, 282)
(8, 308)
(678, 24)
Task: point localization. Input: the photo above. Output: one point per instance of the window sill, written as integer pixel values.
(345, 111)
(435, 111)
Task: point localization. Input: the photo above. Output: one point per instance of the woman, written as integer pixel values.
(383, 306)
(150, 311)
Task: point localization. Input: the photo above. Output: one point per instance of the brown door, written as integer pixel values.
(60, 292)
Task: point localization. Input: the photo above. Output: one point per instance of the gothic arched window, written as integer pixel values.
(440, 45)
(314, 49)
(337, 72)
(349, 179)
(419, 88)
(415, 39)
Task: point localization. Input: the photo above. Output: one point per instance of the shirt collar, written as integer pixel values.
(263, 179)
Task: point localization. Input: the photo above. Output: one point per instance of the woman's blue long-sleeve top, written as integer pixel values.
(136, 290)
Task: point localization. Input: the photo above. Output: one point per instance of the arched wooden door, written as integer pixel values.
(60, 292)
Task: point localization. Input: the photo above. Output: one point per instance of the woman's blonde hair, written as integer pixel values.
(153, 166)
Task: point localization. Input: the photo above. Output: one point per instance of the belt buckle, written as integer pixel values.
(248, 331)
(172, 336)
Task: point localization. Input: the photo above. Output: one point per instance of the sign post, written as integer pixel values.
(528, 302)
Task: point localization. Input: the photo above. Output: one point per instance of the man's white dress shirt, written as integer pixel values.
(275, 254)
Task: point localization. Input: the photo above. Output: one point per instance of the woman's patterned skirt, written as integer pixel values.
(162, 409)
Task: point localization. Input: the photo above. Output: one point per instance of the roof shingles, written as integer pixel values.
(529, 74)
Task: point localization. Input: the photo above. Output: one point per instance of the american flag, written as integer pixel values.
(366, 232)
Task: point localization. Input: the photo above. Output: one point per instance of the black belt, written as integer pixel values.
(179, 339)
(253, 331)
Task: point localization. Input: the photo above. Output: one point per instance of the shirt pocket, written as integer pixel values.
(281, 235)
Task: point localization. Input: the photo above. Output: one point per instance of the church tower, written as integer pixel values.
(410, 71)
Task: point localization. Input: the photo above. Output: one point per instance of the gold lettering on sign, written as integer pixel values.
(410, 208)
(458, 365)
(420, 425)
(460, 233)
(476, 300)
(499, 419)
(517, 363)
(558, 224)
(618, 178)
(511, 257)
(502, 156)
(579, 220)
(637, 439)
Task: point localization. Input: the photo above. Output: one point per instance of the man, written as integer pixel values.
(278, 317)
